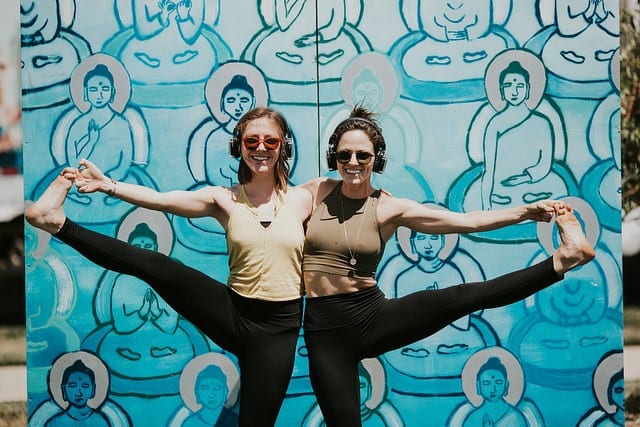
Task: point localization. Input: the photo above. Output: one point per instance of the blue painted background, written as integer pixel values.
(460, 134)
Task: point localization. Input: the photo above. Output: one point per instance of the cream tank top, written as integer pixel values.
(265, 262)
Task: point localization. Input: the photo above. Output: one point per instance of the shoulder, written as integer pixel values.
(219, 193)
(299, 195)
(390, 208)
(388, 201)
(320, 187)
(313, 184)
(219, 198)
(298, 192)
(300, 199)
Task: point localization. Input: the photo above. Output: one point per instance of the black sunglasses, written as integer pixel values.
(363, 157)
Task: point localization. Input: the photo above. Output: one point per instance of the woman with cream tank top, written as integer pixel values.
(256, 317)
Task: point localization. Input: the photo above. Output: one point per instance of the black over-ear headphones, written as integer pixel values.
(380, 159)
(234, 143)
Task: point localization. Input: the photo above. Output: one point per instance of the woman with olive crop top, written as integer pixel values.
(347, 317)
(257, 316)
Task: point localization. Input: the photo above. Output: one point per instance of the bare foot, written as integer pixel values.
(47, 213)
(574, 250)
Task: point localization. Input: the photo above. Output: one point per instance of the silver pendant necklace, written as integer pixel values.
(353, 260)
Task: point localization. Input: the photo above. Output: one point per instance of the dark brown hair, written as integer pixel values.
(365, 120)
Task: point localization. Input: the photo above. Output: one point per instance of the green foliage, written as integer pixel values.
(630, 110)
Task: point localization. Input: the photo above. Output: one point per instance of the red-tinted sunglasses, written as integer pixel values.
(270, 142)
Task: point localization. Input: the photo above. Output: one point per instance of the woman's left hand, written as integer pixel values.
(544, 210)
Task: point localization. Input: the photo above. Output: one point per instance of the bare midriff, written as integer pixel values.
(319, 284)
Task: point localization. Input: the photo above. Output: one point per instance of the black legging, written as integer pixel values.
(262, 334)
(341, 330)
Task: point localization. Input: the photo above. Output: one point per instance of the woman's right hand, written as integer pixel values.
(90, 179)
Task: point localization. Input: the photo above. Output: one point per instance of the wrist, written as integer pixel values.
(112, 185)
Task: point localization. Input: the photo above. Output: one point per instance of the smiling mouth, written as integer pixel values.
(353, 171)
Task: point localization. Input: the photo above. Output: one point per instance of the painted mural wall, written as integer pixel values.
(484, 103)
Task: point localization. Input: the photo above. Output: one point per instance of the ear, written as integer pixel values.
(86, 94)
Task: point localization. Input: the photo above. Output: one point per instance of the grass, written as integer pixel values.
(13, 352)
(13, 414)
(13, 347)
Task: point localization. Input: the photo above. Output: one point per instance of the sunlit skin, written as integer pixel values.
(99, 91)
(354, 173)
(261, 160)
(515, 89)
(236, 102)
(492, 385)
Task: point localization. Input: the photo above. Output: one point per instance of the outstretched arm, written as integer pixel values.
(396, 212)
(199, 203)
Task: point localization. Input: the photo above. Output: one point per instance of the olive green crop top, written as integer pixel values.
(343, 236)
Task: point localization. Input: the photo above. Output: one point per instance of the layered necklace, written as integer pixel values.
(353, 261)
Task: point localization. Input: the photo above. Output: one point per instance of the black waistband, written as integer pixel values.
(336, 311)
(274, 314)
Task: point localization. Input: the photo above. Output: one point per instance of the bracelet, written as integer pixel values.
(112, 191)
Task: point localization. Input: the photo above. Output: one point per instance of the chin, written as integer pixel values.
(357, 180)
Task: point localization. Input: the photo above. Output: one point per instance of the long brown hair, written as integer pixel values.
(281, 170)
